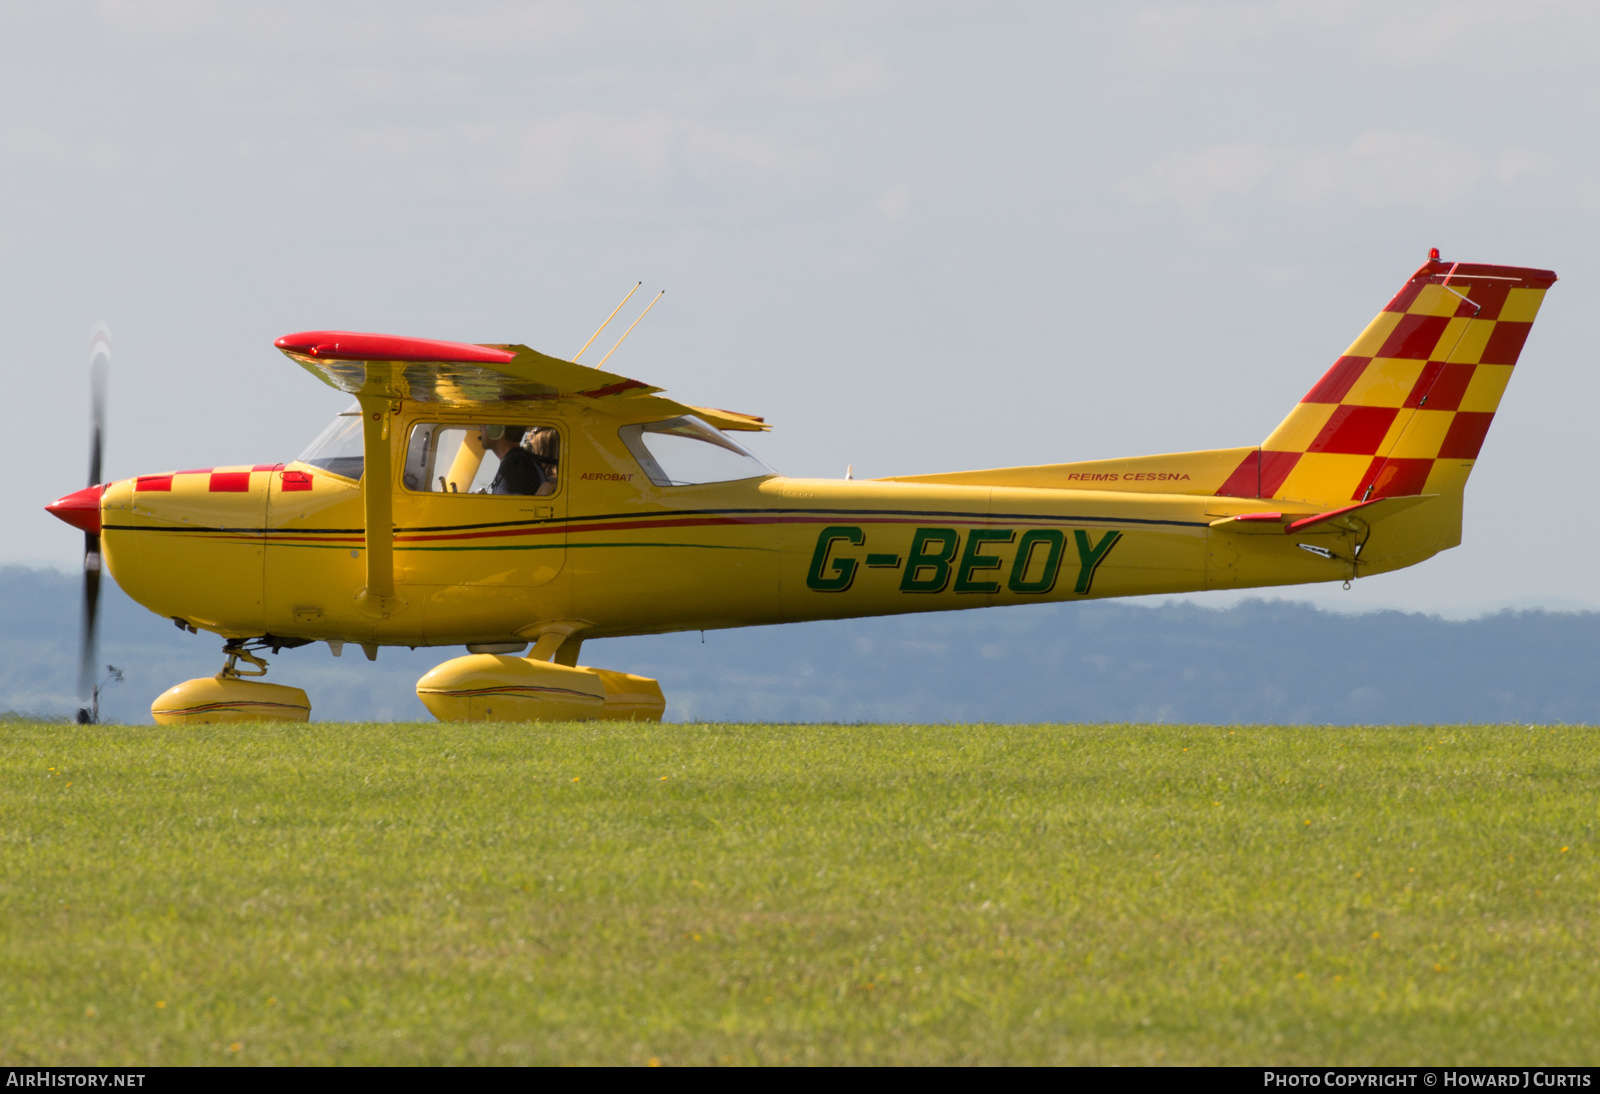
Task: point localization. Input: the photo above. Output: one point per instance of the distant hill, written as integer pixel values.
(1262, 661)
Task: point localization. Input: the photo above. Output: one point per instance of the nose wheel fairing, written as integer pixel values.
(222, 698)
(230, 697)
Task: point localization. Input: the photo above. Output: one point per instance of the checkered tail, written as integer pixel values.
(1406, 409)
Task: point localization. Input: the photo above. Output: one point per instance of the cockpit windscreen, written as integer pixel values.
(338, 449)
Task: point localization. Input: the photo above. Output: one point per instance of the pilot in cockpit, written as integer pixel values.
(520, 472)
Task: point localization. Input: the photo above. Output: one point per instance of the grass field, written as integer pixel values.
(600, 893)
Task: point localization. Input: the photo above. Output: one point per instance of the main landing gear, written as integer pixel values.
(233, 695)
(546, 685)
(491, 687)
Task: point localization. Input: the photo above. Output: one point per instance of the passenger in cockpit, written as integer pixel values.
(545, 444)
(520, 472)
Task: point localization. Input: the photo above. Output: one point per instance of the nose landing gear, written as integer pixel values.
(229, 696)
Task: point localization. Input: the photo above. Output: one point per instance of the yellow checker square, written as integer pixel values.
(1469, 350)
(1483, 392)
(1434, 300)
(1522, 305)
(1324, 478)
(1386, 381)
(1450, 340)
(1447, 477)
(1421, 435)
(1376, 334)
(1296, 432)
(1396, 430)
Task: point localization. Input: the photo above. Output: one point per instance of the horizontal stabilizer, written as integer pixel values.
(1352, 518)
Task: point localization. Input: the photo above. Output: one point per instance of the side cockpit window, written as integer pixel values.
(492, 458)
(686, 451)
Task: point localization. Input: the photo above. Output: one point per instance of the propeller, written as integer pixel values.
(99, 366)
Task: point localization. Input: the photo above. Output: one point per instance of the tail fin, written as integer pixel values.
(1406, 408)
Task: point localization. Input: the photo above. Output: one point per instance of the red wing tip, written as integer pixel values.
(344, 345)
(81, 509)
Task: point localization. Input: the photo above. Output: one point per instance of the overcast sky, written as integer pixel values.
(916, 237)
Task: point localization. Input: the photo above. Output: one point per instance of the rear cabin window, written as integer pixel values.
(686, 451)
(489, 458)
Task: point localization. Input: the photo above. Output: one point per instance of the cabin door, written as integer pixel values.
(481, 504)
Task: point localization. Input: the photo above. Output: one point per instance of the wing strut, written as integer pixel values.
(377, 599)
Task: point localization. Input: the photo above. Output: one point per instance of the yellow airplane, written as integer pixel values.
(495, 497)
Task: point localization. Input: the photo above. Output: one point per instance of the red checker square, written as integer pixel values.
(230, 482)
(1505, 343)
(1275, 467)
(1354, 430)
(1443, 385)
(1430, 373)
(1337, 381)
(1490, 296)
(1407, 294)
(153, 482)
(1414, 337)
(1466, 435)
(296, 480)
(1259, 475)
(1393, 479)
(1243, 483)
(267, 467)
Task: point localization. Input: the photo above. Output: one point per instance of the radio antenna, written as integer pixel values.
(629, 331)
(607, 323)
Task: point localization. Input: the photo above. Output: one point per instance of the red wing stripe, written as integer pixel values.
(613, 389)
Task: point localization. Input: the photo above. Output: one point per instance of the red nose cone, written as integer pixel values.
(80, 509)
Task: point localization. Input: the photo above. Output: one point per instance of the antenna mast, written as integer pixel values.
(635, 323)
(607, 323)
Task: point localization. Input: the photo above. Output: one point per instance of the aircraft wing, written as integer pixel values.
(464, 374)
(731, 419)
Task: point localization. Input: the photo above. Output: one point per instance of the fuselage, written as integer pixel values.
(278, 549)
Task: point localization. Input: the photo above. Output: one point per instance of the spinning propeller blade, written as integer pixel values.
(99, 366)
